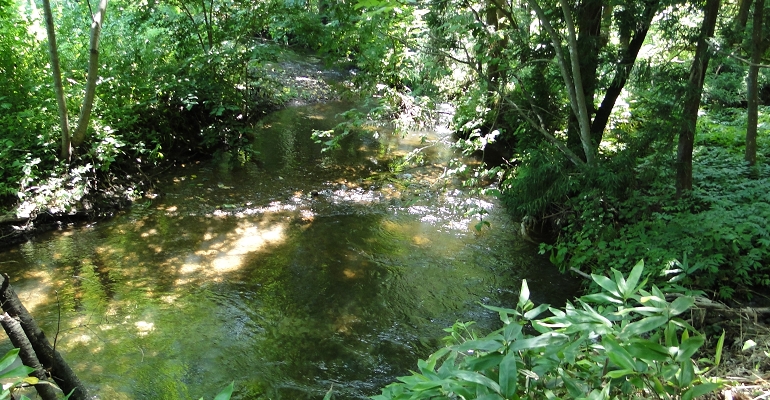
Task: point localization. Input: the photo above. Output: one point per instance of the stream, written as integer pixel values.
(307, 271)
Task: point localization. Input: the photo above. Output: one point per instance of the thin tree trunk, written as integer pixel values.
(19, 340)
(577, 80)
(57, 83)
(753, 85)
(61, 373)
(622, 72)
(569, 79)
(93, 67)
(692, 100)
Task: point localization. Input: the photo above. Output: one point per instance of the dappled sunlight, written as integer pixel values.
(228, 252)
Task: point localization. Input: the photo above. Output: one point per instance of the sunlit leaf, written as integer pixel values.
(524, 294)
(644, 325)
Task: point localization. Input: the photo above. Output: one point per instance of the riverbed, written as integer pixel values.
(305, 271)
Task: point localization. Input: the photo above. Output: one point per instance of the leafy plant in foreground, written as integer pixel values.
(622, 343)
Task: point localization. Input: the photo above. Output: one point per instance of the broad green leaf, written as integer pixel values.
(680, 305)
(644, 325)
(688, 348)
(619, 373)
(511, 332)
(18, 372)
(535, 312)
(478, 378)
(484, 363)
(633, 278)
(699, 390)
(501, 310)
(486, 344)
(546, 339)
(607, 284)
(601, 298)
(617, 354)
(508, 375)
(686, 373)
(573, 387)
(227, 392)
(648, 350)
(9, 358)
(620, 281)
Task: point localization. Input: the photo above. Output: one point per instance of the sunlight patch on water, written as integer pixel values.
(222, 253)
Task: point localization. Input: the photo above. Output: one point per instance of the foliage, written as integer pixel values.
(622, 343)
(717, 235)
(15, 378)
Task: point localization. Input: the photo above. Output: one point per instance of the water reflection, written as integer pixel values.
(287, 286)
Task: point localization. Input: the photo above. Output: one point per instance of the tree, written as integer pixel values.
(79, 134)
(692, 99)
(757, 48)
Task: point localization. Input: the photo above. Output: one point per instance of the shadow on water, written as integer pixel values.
(289, 278)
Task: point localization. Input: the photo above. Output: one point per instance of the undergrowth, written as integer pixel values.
(625, 342)
(717, 235)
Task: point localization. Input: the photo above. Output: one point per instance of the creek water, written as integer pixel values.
(308, 271)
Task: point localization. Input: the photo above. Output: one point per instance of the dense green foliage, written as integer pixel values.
(624, 342)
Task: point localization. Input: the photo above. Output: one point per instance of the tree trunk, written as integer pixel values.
(622, 72)
(692, 100)
(57, 83)
(61, 373)
(757, 49)
(19, 340)
(93, 67)
(577, 80)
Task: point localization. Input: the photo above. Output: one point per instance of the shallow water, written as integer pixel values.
(309, 271)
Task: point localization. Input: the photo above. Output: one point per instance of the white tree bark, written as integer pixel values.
(93, 67)
(57, 83)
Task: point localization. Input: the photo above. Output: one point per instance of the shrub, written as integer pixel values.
(622, 343)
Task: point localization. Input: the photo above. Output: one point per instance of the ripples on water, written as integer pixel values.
(288, 278)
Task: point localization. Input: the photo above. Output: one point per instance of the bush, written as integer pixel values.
(622, 343)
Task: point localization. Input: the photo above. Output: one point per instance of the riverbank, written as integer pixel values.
(87, 193)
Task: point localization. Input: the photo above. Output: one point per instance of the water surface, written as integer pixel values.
(310, 270)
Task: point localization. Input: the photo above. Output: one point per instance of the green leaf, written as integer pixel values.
(18, 372)
(227, 392)
(647, 350)
(485, 344)
(9, 358)
(485, 362)
(479, 379)
(720, 345)
(601, 298)
(688, 348)
(511, 332)
(523, 295)
(644, 325)
(619, 373)
(535, 312)
(633, 278)
(544, 340)
(680, 305)
(686, 373)
(607, 284)
(700, 390)
(617, 354)
(620, 282)
(508, 375)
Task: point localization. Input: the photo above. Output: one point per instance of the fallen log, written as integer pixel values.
(51, 360)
